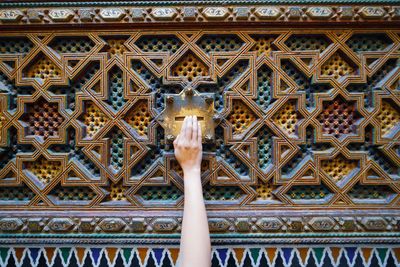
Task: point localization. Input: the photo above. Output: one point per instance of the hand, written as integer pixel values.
(188, 147)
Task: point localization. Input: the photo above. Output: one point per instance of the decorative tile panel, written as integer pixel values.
(222, 256)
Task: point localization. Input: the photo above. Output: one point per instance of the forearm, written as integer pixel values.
(195, 239)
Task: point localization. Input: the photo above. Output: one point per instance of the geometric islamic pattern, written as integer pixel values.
(222, 256)
(311, 123)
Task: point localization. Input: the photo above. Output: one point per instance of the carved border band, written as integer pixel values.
(318, 226)
(93, 15)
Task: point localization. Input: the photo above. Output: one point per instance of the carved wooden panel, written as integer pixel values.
(306, 130)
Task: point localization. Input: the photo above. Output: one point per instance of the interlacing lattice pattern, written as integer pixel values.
(305, 119)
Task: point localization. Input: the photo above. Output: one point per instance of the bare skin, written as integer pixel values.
(195, 248)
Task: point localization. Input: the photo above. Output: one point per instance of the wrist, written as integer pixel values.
(191, 170)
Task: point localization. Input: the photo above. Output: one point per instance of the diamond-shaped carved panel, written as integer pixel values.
(339, 117)
(42, 119)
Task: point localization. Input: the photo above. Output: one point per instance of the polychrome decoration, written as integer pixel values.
(301, 127)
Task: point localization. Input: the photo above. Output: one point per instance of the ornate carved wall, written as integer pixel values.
(301, 106)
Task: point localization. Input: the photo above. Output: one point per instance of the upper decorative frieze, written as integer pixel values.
(273, 13)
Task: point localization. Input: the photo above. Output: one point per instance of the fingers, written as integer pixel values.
(190, 131)
(188, 128)
(198, 133)
(176, 141)
(183, 128)
(194, 129)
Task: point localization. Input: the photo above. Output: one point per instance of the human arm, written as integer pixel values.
(195, 248)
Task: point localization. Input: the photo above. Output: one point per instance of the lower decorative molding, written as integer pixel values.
(309, 229)
(116, 228)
